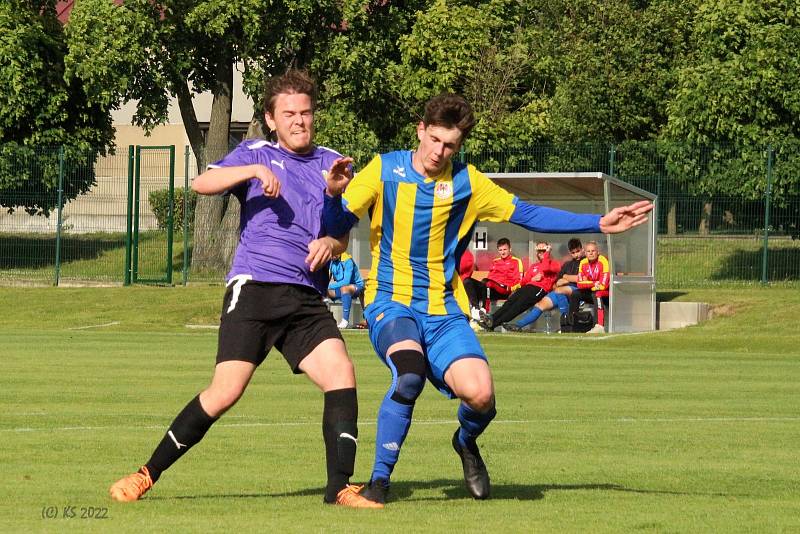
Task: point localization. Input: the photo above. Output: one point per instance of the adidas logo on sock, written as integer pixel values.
(393, 446)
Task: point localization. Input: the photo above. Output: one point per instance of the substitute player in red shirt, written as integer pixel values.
(536, 283)
(504, 276)
(594, 276)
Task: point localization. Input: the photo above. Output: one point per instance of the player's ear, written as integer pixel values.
(270, 121)
(421, 130)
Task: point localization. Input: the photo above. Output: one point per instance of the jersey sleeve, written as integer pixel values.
(341, 213)
(605, 276)
(362, 192)
(238, 157)
(492, 202)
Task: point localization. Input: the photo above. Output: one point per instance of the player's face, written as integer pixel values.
(293, 122)
(437, 145)
(576, 253)
(504, 251)
(591, 252)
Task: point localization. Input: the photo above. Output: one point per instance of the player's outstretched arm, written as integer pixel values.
(221, 179)
(625, 217)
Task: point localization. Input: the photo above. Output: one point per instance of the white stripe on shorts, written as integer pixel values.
(239, 280)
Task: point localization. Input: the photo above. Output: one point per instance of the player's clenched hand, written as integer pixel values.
(269, 182)
(339, 175)
(320, 251)
(625, 217)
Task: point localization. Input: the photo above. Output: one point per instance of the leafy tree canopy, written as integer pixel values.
(42, 109)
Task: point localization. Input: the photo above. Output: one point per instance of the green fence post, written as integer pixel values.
(767, 200)
(129, 219)
(59, 219)
(462, 154)
(612, 153)
(185, 272)
(136, 186)
(171, 212)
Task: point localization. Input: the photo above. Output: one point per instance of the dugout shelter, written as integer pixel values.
(632, 302)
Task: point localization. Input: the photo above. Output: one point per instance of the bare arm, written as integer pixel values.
(218, 180)
(321, 250)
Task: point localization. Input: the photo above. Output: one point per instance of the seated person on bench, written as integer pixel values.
(504, 275)
(565, 285)
(536, 283)
(345, 283)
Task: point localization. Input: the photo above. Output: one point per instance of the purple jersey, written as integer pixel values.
(275, 232)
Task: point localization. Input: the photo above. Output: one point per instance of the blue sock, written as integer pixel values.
(472, 424)
(394, 420)
(530, 317)
(347, 300)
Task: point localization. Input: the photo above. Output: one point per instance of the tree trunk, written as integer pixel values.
(216, 223)
(705, 218)
(256, 128)
(672, 218)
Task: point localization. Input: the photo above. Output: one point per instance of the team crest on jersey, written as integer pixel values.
(443, 190)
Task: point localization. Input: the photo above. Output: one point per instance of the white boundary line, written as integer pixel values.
(93, 326)
(434, 422)
(539, 336)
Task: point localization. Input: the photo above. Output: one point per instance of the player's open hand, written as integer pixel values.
(339, 175)
(625, 217)
(269, 182)
(320, 252)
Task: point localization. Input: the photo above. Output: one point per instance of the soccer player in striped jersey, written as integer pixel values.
(422, 208)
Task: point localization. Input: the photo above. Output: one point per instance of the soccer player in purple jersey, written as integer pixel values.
(274, 289)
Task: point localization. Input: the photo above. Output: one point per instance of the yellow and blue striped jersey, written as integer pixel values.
(419, 227)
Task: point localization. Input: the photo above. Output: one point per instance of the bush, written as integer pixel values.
(159, 203)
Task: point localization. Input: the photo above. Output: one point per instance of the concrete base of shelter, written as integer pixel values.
(670, 315)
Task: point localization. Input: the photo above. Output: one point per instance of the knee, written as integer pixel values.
(480, 398)
(483, 401)
(410, 368)
(217, 400)
(338, 374)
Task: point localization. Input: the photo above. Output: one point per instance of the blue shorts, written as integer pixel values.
(444, 338)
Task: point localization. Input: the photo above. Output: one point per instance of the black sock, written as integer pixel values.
(186, 430)
(339, 431)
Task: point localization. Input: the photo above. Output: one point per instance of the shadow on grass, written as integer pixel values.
(746, 265)
(667, 296)
(29, 252)
(454, 489)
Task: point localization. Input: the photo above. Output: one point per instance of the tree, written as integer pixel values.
(42, 110)
(178, 48)
(358, 88)
(736, 95)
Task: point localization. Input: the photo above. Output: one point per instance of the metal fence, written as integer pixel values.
(726, 215)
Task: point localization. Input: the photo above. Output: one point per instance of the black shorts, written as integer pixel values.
(257, 316)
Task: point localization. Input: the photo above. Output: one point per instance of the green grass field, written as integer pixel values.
(683, 431)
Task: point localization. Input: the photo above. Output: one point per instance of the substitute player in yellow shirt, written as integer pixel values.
(422, 208)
